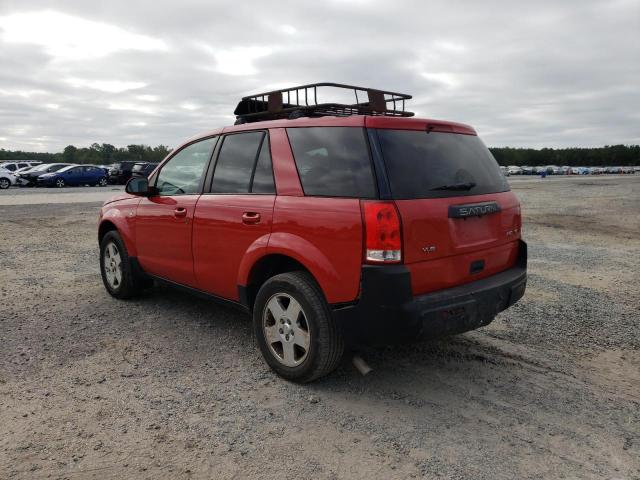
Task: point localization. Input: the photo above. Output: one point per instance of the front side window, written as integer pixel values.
(182, 173)
(333, 161)
(236, 162)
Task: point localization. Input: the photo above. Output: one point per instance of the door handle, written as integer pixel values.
(250, 218)
(180, 212)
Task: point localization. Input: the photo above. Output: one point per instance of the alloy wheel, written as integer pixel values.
(59, 183)
(4, 183)
(286, 329)
(112, 261)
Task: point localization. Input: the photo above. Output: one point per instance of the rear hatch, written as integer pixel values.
(460, 221)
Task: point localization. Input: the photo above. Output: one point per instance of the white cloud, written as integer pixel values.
(522, 74)
(109, 86)
(239, 60)
(189, 106)
(447, 79)
(18, 92)
(67, 37)
(288, 29)
(148, 98)
(133, 107)
(449, 46)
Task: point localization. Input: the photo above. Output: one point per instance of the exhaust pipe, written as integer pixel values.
(362, 366)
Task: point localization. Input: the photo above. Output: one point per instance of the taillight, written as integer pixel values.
(383, 242)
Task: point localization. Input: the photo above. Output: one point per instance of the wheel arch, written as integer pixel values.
(263, 269)
(116, 222)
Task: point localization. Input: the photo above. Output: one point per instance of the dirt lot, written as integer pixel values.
(171, 386)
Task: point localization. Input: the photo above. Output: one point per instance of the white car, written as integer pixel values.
(6, 179)
(514, 170)
(18, 164)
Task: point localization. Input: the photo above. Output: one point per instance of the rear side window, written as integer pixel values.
(436, 164)
(235, 163)
(263, 176)
(333, 161)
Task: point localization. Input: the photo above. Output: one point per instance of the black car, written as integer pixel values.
(120, 172)
(30, 177)
(143, 169)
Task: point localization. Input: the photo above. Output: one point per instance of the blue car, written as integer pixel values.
(74, 175)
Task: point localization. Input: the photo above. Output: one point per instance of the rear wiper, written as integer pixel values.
(456, 186)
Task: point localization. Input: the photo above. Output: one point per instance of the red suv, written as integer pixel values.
(333, 224)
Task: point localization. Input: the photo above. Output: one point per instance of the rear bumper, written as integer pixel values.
(387, 312)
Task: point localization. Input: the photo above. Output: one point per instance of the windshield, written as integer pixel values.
(55, 168)
(40, 168)
(436, 164)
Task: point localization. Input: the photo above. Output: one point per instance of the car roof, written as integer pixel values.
(383, 122)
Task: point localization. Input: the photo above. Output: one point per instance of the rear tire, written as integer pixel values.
(4, 183)
(102, 182)
(115, 267)
(292, 304)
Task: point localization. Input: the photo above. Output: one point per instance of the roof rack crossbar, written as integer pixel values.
(272, 105)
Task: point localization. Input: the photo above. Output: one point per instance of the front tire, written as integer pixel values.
(294, 328)
(60, 183)
(4, 183)
(115, 267)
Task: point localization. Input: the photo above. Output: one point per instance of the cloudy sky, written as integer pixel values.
(543, 73)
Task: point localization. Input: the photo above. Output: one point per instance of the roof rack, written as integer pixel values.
(303, 101)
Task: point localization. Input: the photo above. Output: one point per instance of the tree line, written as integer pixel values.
(607, 156)
(96, 154)
(104, 154)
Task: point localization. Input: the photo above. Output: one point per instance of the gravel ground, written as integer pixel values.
(172, 386)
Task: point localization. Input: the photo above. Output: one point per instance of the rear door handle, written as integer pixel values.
(250, 218)
(180, 212)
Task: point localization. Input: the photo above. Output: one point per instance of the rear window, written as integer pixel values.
(333, 161)
(436, 164)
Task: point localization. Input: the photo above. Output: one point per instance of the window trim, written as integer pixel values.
(374, 176)
(154, 181)
(216, 156)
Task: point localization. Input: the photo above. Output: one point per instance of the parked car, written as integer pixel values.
(329, 230)
(514, 170)
(120, 172)
(30, 178)
(504, 171)
(526, 170)
(143, 169)
(628, 170)
(74, 175)
(14, 166)
(6, 179)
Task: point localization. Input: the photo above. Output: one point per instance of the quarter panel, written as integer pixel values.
(325, 235)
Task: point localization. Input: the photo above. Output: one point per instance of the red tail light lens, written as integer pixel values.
(383, 242)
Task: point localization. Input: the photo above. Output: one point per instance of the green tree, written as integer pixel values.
(69, 154)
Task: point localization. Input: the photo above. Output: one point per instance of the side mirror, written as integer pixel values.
(138, 186)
